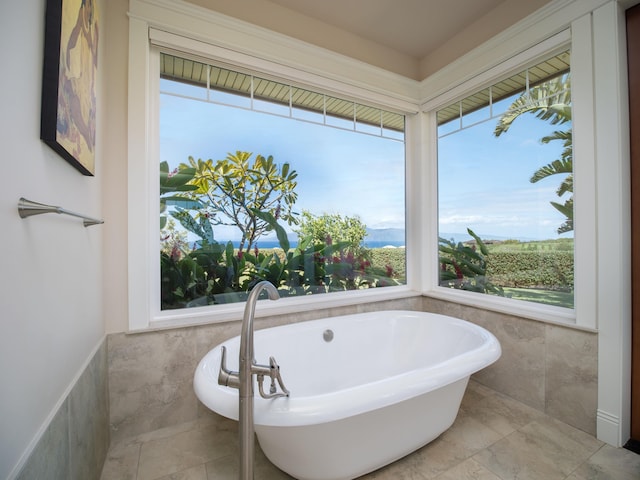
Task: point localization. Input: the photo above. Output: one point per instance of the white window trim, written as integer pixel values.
(165, 23)
(158, 23)
(583, 315)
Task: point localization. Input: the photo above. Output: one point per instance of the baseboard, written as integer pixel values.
(608, 428)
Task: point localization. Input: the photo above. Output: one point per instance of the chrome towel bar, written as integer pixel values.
(27, 208)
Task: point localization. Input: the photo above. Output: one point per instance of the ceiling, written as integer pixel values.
(413, 27)
(411, 37)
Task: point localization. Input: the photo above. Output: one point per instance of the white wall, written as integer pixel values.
(51, 266)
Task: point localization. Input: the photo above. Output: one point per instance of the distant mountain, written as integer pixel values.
(465, 237)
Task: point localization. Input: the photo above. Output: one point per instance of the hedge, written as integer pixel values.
(550, 270)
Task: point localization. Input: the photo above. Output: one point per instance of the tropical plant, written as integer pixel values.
(214, 273)
(314, 267)
(464, 268)
(334, 228)
(231, 190)
(549, 101)
(257, 196)
(171, 184)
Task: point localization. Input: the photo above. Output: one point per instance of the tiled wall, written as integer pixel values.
(76, 442)
(551, 368)
(151, 374)
(547, 367)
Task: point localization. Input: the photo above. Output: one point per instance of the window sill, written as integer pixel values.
(543, 313)
(285, 306)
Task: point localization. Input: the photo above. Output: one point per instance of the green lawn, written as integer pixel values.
(547, 297)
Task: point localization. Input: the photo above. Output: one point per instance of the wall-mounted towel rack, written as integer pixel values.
(27, 208)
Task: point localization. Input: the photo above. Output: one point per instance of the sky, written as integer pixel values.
(484, 187)
(484, 181)
(339, 171)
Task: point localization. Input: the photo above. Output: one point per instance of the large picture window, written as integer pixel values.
(505, 188)
(262, 180)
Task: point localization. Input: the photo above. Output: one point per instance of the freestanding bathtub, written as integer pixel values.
(366, 389)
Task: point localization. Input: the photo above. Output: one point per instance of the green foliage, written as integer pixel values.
(314, 267)
(539, 271)
(173, 241)
(330, 228)
(551, 270)
(464, 268)
(213, 272)
(170, 184)
(390, 258)
(231, 190)
(549, 101)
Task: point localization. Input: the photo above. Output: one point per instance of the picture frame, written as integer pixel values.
(68, 117)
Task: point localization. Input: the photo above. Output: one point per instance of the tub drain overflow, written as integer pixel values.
(327, 335)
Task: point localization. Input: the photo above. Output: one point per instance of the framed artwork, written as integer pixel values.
(68, 121)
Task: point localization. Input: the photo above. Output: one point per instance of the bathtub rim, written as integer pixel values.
(362, 398)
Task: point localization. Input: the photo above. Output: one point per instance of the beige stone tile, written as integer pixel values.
(500, 413)
(138, 360)
(50, 458)
(442, 307)
(209, 336)
(468, 470)
(544, 449)
(609, 463)
(150, 381)
(479, 389)
(404, 469)
(464, 439)
(176, 429)
(184, 450)
(520, 371)
(228, 468)
(198, 472)
(122, 462)
(151, 408)
(572, 377)
(265, 470)
(468, 436)
(224, 468)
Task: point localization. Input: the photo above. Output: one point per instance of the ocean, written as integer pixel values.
(275, 244)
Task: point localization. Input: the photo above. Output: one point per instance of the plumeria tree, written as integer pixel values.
(231, 190)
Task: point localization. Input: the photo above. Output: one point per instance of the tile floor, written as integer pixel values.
(493, 438)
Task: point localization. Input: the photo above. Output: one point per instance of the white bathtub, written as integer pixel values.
(386, 384)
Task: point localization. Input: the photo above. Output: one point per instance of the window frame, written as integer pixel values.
(190, 30)
(583, 315)
(147, 40)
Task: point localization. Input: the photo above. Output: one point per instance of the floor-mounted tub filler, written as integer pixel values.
(365, 389)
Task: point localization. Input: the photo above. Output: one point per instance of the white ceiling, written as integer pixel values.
(411, 37)
(413, 27)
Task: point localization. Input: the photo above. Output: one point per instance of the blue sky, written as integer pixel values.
(485, 187)
(484, 181)
(338, 171)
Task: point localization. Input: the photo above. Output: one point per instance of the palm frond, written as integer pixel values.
(560, 166)
(550, 101)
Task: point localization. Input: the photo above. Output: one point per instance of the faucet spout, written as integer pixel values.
(246, 336)
(245, 379)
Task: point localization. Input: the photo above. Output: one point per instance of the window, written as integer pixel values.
(240, 49)
(505, 187)
(264, 180)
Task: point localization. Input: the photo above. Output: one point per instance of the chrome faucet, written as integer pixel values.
(243, 380)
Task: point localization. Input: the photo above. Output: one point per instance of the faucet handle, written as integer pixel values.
(275, 376)
(227, 377)
(273, 370)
